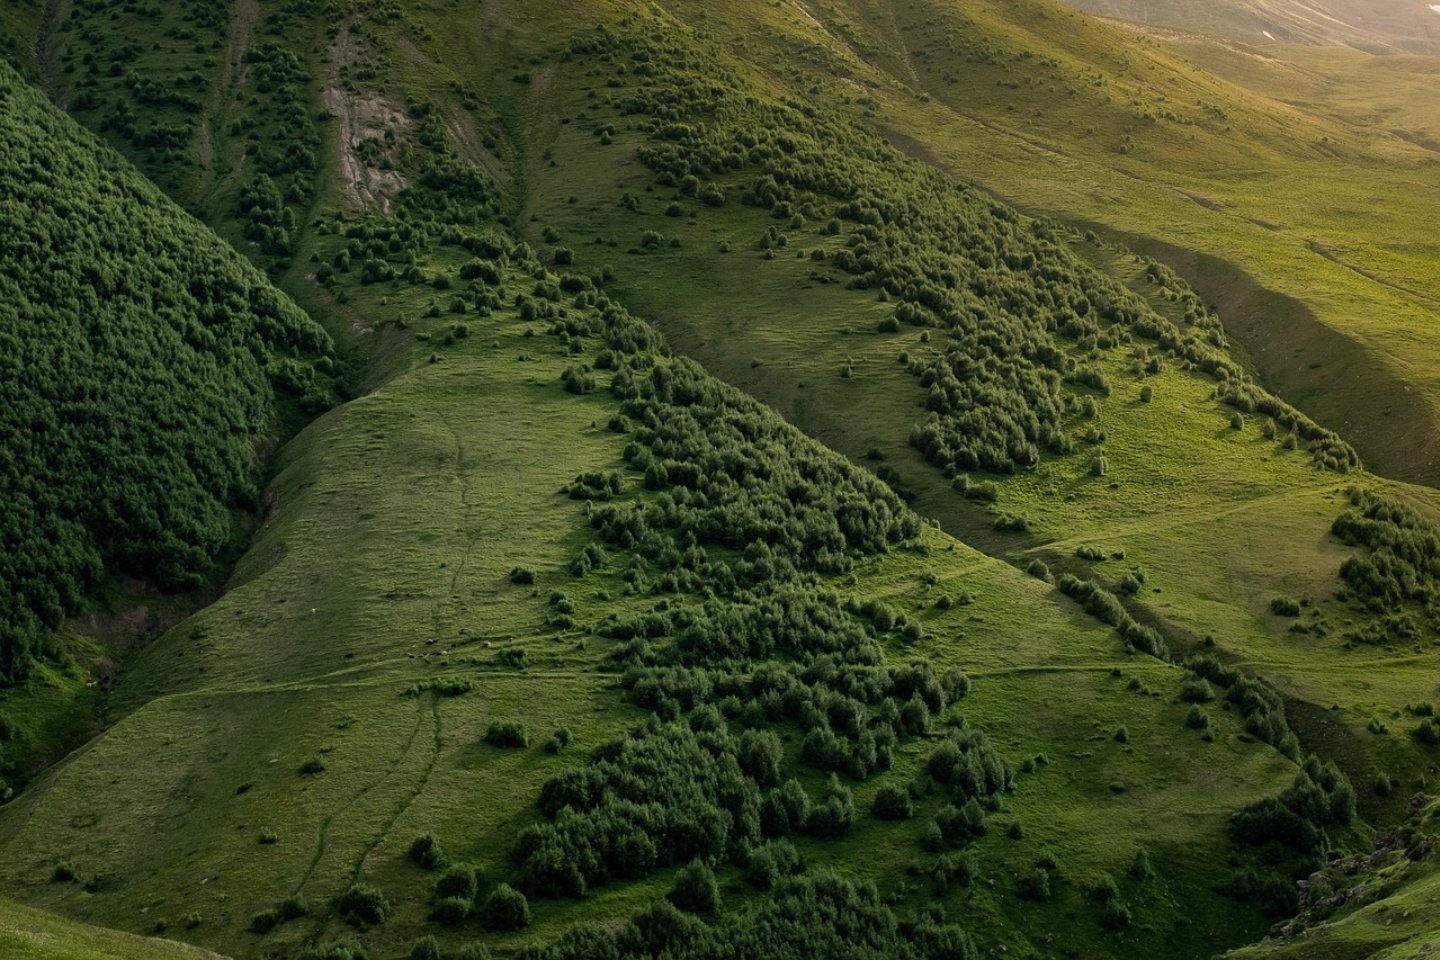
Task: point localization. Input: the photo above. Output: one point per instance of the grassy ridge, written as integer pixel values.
(1088, 122)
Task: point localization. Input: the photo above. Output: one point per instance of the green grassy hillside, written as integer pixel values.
(1041, 626)
(336, 703)
(27, 934)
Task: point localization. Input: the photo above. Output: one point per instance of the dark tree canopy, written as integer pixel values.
(139, 360)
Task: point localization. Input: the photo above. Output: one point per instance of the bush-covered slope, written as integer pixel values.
(552, 612)
(140, 364)
(557, 643)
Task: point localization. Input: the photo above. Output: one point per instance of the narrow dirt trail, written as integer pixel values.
(322, 844)
(1324, 251)
(209, 148)
(416, 790)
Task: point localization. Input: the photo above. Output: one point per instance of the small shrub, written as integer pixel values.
(1197, 690)
(957, 868)
(893, 803)
(64, 872)
(1103, 889)
(506, 909)
(506, 733)
(1114, 915)
(264, 921)
(1011, 523)
(292, 907)
(1016, 830)
(1033, 885)
(1122, 735)
(425, 949)
(695, 890)
(312, 767)
(1428, 732)
(425, 851)
(460, 881)
(520, 576)
(1146, 394)
(1196, 718)
(558, 741)
(1140, 868)
(451, 911)
(1285, 607)
(771, 862)
(1037, 569)
(363, 905)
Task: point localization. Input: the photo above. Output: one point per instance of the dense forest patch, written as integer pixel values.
(142, 360)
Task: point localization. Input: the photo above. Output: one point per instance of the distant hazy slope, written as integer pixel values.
(137, 356)
(1375, 25)
(27, 934)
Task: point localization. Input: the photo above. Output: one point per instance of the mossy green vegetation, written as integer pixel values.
(144, 361)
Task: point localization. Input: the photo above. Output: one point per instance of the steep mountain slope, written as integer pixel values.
(538, 525)
(301, 732)
(141, 365)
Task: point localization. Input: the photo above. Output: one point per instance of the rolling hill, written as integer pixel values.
(793, 497)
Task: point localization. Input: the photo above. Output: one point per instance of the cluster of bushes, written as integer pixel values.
(1321, 798)
(1402, 559)
(817, 915)
(1106, 607)
(735, 475)
(135, 377)
(1023, 312)
(667, 793)
(291, 908)
(460, 895)
(153, 111)
(1261, 707)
